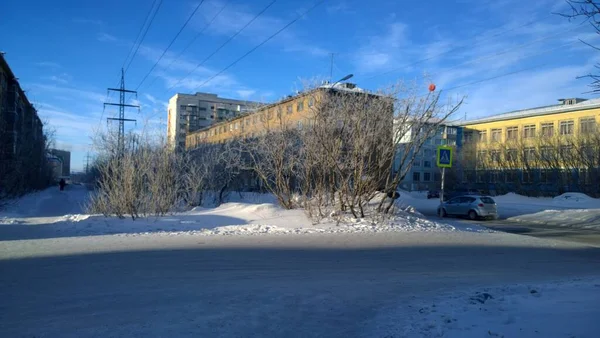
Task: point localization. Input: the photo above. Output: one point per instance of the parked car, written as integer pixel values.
(472, 206)
(460, 192)
(433, 194)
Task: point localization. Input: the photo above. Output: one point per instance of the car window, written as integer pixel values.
(487, 200)
(469, 199)
(454, 200)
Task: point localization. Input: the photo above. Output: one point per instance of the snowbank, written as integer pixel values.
(574, 218)
(562, 309)
(231, 219)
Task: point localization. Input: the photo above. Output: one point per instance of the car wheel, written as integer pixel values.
(472, 215)
(442, 213)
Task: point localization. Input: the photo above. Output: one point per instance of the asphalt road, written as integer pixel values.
(294, 286)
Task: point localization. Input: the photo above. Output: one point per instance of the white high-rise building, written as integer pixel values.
(190, 112)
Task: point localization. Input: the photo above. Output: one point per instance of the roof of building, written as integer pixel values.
(539, 111)
(337, 87)
(210, 97)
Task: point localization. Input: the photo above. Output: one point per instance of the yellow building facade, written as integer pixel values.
(533, 128)
(291, 112)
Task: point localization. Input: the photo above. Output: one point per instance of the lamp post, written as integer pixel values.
(342, 79)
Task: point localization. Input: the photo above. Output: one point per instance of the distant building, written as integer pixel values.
(190, 112)
(424, 173)
(65, 158)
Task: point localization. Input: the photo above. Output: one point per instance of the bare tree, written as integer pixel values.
(589, 10)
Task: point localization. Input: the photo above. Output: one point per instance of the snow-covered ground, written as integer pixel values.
(511, 204)
(264, 271)
(558, 309)
(49, 213)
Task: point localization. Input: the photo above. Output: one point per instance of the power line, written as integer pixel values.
(139, 33)
(223, 44)
(144, 35)
(193, 40)
(262, 43)
(171, 43)
(493, 78)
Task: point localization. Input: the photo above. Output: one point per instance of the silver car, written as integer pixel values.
(472, 206)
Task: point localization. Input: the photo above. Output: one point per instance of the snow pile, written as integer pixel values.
(566, 309)
(573, 218)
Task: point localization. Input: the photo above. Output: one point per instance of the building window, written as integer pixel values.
(479, 176)
(529, 154)
(527, 176)
(231, 127)
(416, 177)
(511, 155)
(417, 163)
(545, 176)
(468, 137)
(494, 177)
(237, 125)
(566, 127)
(496, 135)
(426, 177)
(299, 125)
(481, 155)
(289, 108)
(511, 133)
(427, 164)
(546, 153)
(254, 119)
(587, 125)
(483, 136)
(270, 114)
(311, 102)
(529, 131)
(450, 130)
(279, 112)
(428, 153)
(437, 177)
(548, 129)
(565, 151)
(495, 156)
(300, 106)
(248, 122)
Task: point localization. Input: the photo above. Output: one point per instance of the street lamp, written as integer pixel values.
(342, 79)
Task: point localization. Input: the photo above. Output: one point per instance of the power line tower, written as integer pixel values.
(121, 118)
(87, 163)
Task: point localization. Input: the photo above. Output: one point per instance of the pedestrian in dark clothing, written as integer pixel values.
(62, 184)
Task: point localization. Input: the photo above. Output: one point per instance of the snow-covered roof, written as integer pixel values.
(554, 109)
(343, 86)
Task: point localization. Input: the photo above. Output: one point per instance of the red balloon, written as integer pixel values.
(432, 87)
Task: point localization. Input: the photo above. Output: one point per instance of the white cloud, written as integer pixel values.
(105, 37)
(382, 51)
(62, 78)
(245, 93)
(69, 93)
(85, 21)
(47, 64)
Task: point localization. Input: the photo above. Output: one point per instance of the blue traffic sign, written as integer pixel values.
(444, 157)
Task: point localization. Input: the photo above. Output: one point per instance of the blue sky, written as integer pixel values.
(66, 53)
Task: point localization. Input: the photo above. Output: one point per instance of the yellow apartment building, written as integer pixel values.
(291, 112)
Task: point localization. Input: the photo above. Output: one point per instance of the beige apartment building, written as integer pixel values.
(190, 112)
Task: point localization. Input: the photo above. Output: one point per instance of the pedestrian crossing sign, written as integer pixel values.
(444, 157)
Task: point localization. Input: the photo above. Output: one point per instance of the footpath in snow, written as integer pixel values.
(55, 213)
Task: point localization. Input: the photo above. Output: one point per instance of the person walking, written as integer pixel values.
(62, 184)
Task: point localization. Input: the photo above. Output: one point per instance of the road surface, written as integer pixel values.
(293, 286)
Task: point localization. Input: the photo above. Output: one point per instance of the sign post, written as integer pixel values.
(444, 160)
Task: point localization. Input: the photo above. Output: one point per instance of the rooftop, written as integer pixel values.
(539, 111)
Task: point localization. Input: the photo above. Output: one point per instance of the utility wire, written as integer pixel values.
(192, 41)
(171, 43)
(138, 34)
(492, 78)
(223, 44)
(144, 35)
(262, 43)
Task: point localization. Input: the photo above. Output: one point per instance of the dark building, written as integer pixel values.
(65, 158)
(23, 164)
